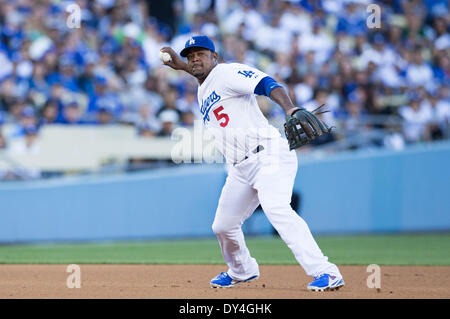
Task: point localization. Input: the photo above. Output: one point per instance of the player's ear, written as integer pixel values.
(215, 56)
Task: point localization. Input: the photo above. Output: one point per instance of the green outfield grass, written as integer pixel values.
(407, 249)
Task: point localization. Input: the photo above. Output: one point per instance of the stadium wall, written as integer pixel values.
(355, 192)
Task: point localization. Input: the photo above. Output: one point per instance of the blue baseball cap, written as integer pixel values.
(101, 81)
(28, 111)
(72, 103)
(199, 41)
(31, 130)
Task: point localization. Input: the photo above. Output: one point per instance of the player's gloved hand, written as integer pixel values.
(303, 126)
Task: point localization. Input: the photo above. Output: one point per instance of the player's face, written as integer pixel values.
(200, 62)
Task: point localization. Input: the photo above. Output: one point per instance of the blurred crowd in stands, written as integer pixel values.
(392, 80)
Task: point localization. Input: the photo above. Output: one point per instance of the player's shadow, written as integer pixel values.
(295, 204)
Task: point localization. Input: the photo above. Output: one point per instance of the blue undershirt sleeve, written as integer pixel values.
(265, 86)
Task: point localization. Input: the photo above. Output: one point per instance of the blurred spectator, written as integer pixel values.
(416, 116)
(7, 96)
(317, 41)
(441, 68)
(26, 145)
(170, 101)
(87, 77)
(27, 120)
(294, 19)
(49, 113)
(281, 67)
(379, 54)
(187, 119)
(304, 91)
(7, 66)
(146, 118)
(309, 64)
(442, 38)
(169, 119)
(352, 19)
(243, 14)
(418, 72)
(2, 142)
(145, 130)
(71, 114)
(137, 96)
(65, 74)
(353, 119)
(105, 115)
(2, 138)
(104, 100)
(320, 98)
(267, 35)
(188, 103)
(438, 126)
(387, 62)
(394, 138)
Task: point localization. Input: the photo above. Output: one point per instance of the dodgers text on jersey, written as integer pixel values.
(207, 104)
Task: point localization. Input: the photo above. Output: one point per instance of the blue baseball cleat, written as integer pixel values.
(225, 281)
(326, 282)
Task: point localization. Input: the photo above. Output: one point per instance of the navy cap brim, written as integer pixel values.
(185, 51)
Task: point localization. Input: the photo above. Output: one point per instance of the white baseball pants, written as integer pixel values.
(265, 178)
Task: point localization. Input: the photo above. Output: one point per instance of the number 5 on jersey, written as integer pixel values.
(221, 116)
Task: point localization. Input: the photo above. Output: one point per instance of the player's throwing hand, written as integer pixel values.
(176, 61)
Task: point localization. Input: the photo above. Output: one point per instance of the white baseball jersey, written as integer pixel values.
(230, 110)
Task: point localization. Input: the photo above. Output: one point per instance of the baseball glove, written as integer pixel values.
(302, 127)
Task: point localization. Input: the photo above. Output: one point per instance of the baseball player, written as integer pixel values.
(262, 163)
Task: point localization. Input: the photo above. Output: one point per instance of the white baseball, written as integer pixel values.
(164, 56)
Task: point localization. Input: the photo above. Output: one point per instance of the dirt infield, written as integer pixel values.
(192, 282)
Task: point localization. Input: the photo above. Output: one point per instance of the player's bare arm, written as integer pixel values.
(280, 96)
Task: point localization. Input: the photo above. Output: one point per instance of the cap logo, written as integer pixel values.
(191, 41)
